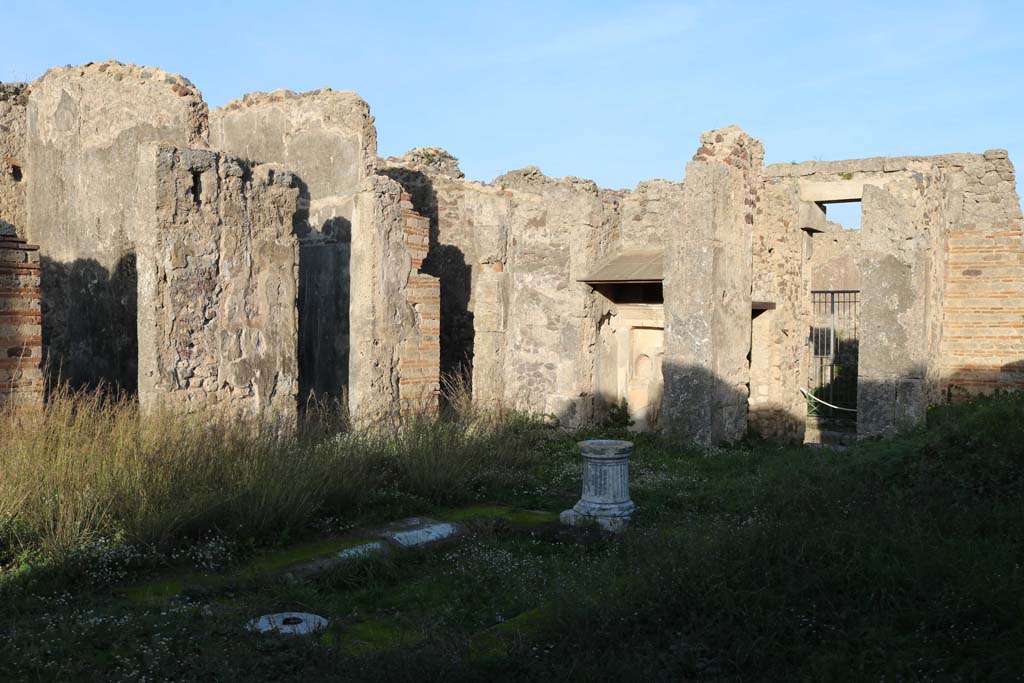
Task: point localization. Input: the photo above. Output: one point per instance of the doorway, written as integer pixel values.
(833, 350)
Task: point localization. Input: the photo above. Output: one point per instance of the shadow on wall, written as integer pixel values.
(966, 381)
(323, 300)
(448, 264)
(699, 407)
(89, 324)
(696, 407)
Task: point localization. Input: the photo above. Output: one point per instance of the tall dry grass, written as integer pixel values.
(90, 466)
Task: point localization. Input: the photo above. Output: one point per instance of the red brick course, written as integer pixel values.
(983, 310)
(21, 377)
(419, 366)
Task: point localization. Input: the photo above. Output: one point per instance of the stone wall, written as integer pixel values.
(779, 259)
(328, 139)
(647, 214)
(551, 320)
(393, 364)
(218, 282)
(419, 357)
(895, 265)
(85, 126)
(468, 230)
(482, 281)
(515, 320)
(13, 104)
(938, 255)
(982, 344)
(937, 259)
(21, 379)
(708, 284)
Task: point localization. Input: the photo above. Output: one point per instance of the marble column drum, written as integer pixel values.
(605, 501)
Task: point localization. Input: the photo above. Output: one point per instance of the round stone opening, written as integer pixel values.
(289, 623)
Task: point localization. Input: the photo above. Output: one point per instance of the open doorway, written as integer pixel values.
(833, 350)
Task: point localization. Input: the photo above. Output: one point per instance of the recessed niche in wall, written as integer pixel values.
(846, 214)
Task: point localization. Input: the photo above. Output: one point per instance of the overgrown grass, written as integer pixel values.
(91, 467)
(899, 560)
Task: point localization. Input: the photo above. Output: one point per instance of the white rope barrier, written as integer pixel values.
(815, 398)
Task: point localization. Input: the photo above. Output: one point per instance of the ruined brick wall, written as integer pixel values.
(982, 343)
(419, 357)
(708, 283)
(394, 357)
(84, 128)
(21, 378)
(468, 230)
(13, 105)
(218, 282)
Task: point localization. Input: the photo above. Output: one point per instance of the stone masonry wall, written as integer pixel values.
(218, 281)
(21, 379)
(555, 237)
(777, 409)
(393, 361)
(419, 358)
(85, 126)
(328, 138)
(708, 291)
(468, 231)
(982, 344)
(953, 222)
(508, 256)
(648, 213)
(325, 136)
(13, 105)
(895, 262)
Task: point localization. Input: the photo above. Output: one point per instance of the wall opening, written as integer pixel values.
(833, 348)
(631, 292)
(845, 213)
(760, 377)
(633, 348)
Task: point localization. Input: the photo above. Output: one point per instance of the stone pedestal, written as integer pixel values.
(605, 501)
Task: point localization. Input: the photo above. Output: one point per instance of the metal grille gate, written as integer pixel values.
(834, 352)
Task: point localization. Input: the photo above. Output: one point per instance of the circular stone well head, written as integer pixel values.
(293, 623)
(605, 448)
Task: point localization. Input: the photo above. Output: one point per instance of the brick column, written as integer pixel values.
(21, 376)
(419, 364)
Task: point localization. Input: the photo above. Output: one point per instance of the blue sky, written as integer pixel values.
(613, 91)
